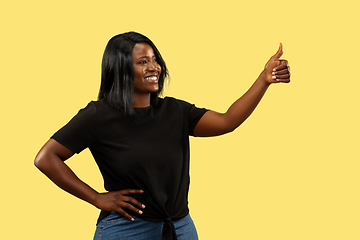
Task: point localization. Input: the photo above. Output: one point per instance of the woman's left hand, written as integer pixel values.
(276, 69)
(214, 123)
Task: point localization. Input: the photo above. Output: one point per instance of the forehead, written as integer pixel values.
(142, 50)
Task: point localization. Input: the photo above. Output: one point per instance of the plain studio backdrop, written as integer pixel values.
(291, 171)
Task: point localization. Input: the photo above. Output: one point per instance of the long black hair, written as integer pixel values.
(117, 71)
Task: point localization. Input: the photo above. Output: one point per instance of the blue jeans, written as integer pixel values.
(117, 227)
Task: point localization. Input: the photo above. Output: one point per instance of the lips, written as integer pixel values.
(152, 79)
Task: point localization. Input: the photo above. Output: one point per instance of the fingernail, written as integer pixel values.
(273, 77)
(143, 206)
(141, 212)
(274, 70)
(273, 73)
(132, 219)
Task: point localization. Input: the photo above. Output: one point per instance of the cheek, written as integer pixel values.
(138, 73)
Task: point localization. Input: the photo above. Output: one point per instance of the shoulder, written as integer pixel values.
(94, 110)
(99, 104)
(176, 102)
(100, 107)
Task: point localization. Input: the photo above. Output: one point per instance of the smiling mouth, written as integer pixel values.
(152, 79)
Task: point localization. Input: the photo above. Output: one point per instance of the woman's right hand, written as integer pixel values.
(118, 200)
(50, 161)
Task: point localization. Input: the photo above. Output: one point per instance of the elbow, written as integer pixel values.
(228, 130)
(41, 161)
(231, 128)
(38, 162)
(230, 124)
(49, 155)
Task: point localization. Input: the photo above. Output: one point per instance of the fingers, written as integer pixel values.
(283, 65)
(282, 72)
(125, 214)
(276, 69)
(282, 78)
(130, 207)
(134, 202)
(130, 191)
(129, 203)
(279, 52)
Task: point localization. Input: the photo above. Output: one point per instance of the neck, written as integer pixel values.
(141, 101)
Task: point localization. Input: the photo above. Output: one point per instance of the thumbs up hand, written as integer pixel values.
(277, 70)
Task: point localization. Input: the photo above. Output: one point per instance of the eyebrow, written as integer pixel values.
(145, 57)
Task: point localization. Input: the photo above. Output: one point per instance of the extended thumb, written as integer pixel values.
(280, 52)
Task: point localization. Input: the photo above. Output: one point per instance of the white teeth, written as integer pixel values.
(151, 78)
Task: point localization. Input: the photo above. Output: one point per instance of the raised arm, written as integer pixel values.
(50, 161)
(214, 123)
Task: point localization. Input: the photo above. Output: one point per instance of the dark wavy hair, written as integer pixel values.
(117, 71)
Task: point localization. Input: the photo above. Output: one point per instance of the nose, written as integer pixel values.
(153, 66)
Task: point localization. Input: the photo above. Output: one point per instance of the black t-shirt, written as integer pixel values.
(149, 151)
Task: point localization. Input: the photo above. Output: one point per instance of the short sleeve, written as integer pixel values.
(195, 114)
(80, 132)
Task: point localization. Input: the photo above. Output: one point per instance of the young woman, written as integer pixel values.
(141, 142)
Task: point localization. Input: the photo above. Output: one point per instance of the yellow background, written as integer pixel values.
(291, 171)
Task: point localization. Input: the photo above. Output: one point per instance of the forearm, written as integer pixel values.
(213, 123)
(242, 108)
(58, 172)
(50, 161)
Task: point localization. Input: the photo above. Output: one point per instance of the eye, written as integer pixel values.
(142, 62)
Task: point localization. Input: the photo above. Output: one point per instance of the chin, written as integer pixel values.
(155, 89)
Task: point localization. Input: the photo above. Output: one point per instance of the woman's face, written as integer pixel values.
(147, 70)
